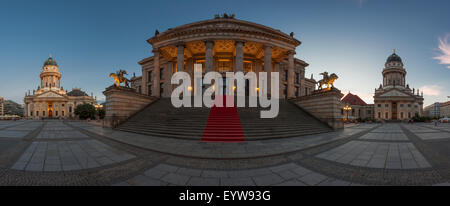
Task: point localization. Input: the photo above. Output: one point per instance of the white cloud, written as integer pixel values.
(444, 47)
(431, 90)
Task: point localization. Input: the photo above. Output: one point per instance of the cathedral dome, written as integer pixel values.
(50, 61)
(394, 58)
(76, 92)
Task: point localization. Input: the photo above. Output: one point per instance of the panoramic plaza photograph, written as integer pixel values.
(198, 93)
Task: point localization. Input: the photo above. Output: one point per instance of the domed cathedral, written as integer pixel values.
(394, 99)
(50, 100)
(223, 44)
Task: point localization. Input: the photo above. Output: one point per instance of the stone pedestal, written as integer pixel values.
(121, 103)
(325, 105)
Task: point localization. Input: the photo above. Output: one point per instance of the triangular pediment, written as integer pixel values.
(395, 93)
(50, 95)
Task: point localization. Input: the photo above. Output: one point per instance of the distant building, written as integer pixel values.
(359, 108)
(2, 106)
(432, 110)
(445, 109)
(50, 100)
(394, 100)
(437, 109)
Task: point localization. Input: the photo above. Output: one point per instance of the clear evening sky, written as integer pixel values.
(353, 38)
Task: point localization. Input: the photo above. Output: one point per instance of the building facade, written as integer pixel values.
(433, 110)
(223, 45)
(2, 106)
(359, 108)
(444, 110)
(394, 100)
(437, 110)
(50, 100)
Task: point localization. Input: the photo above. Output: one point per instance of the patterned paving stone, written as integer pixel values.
(68, 155)
(385, 136)
(377, 155)
(285, 174)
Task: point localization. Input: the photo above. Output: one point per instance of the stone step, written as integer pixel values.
(163, 120)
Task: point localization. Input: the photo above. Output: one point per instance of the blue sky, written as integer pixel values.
(353, 38)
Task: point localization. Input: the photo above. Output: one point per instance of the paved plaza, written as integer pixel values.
(57, 152)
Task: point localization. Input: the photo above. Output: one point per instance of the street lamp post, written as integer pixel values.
(347, 108)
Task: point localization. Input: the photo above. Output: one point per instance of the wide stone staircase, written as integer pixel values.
(161, 119)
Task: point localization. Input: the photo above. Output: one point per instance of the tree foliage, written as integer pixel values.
(85, 111)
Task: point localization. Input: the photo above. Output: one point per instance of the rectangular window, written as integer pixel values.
(161, 73)
(409, 114)
(150, 76)
(31, 113)
(296, 78)
(56, 113)
(150, 90)
(296, 91)
(43, 113)
(285, 75)
(409, 105)
(387, 115)
(401, 115)
(379, 105)
(161, 89)
(401, 105)
(62, 112)
(70, 109)
(386, 105)
(37, 113)
(379, 115)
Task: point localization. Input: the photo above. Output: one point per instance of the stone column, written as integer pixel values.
(290, 82)
(239, 56)
(268, 65)
(209, 56)
(156, 74)
(180, 57)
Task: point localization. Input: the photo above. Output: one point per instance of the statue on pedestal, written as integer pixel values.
(119, 78)
(327, 80)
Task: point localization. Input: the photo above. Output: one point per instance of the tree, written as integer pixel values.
(85, 111)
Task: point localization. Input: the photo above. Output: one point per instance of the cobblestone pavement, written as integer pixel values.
(80, 153)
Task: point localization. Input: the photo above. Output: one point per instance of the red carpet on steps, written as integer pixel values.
(223, 124)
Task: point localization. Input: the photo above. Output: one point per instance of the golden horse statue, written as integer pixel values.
(119, 78)
(327, 80)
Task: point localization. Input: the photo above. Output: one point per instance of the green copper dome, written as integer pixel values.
(50, 61)
(394, 58)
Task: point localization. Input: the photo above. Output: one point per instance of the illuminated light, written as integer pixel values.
(190, 88)
(213, 88)
(257, 89)
(234, 88)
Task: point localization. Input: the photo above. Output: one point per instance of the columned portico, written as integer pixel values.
(239, 56)
(180, 57)
(290, 75)
(209, 60)
(268, 64)
(156, 74)
(222, 45)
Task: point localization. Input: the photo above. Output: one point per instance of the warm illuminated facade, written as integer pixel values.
(394, 100)
(50, 100)
(223, 45)
(358, 108)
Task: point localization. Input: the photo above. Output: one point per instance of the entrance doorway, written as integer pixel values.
(394, 110)
(50, 109)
